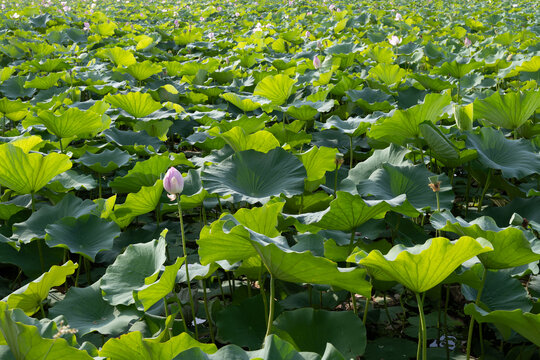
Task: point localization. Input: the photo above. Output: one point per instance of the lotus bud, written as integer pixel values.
(86, 26)
(467, 42)
(316, 62)
(398, 17)
(173, 183)
(319, 44)
(339, 159)
(308, 34)
(394, 40)
(434, 183)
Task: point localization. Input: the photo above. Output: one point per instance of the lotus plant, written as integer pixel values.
(173, 183)
(316, 62)
(394, 40)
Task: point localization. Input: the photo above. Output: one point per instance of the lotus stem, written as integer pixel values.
(486, 186)
(78, 271)
(166, 316)
(177, 301)
(423, 328)
(210, 327)
(351, 156)
(353, 297)
(366, 307)
(335, 180)
(468, 188)
(471, 324)
(192, 305)
(271, 312)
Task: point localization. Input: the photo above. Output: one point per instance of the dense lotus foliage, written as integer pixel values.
(345, 179)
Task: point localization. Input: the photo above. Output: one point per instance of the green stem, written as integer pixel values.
(4, 126)
(221, 288)
(471, 324)
(87, 270)
(353, 295)
(351, 153)
(335, 181)
(61, 146)
(166, 316)
(486, 186)
(191, 303)
(366, 307)
(423, 326)
(99, 185)
(177, 301)
(271, 312)
(78, 271)
(386, 310)
(438, 203)
(263, 292)
(210, 327)
(469, 179)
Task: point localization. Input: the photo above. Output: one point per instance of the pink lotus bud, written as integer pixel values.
(467, 42)
(173, 182)
(176, 23)
(394, 40)
(86, 26)
(398, 17)
(316, 62)
(319, 44)
(308, 34)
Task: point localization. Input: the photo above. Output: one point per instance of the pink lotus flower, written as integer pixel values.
(398, 17)
(173, 182)
(308, 34)
(394, 40)
(467, 42)
(316, 62)
(176, 23)
(86, 26)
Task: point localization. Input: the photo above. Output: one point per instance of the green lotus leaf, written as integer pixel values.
(136, 104)
(312, 330)
(243, 324)
(9, 208)
(392, 182)
(71, 179)
(524, 323)
(431, 82)
(44, 82)
(104, 29)
(73, 122)
(422, 267)
(86, 235)
(119, 56)
(139, 203)
(193, 194)
(49, 65)
(132, 346)
(133, 141)
(122, 277)
(458, 68)
(143, 70)
(25, 341)
(403, 125)
(371, 100)
(515, 158)
(146, 172)
(353, 126)
(511, 247)
(276, 88)
(318, 161)
(346, 213)
(34, 226)
(262, 141)
(106, 161)
(245, 103)
(388, 74)
(464, 116)
(27, 173)
(254, 176)
(13, 88)
(146, 296)
(307, 110)
(442, 147)
(508, 111)
(263, 220)
(13, 109)
(86, 311)
(29, 297)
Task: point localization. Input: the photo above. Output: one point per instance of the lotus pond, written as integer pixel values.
(345, 179)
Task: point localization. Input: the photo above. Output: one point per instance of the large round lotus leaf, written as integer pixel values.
(526, 324)
(34, 226)
(253, 176)
(134, 103)
(243, 324)
(106, 161)
(511, 247)
(422, 267)
(25, 341)
(515, 158)
(123, 276)
(275, 88)
(132, 346)
(86, 235)
(86, 311)
(510, 110)
(26, 173)
(29, 297)
(391, 182)
(311, 329)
